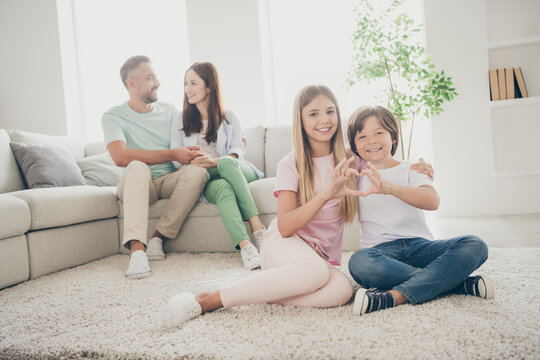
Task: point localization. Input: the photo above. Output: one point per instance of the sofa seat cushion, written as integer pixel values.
(261, 190)
(61, 206)
(15, 215)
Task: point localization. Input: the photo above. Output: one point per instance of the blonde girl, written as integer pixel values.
(301, 246)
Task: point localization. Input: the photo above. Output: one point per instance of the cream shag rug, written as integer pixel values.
(93, 311)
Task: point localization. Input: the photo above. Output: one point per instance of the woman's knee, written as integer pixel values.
(221, 189)
(226, 162)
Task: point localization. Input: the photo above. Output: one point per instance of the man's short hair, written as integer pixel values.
(131, 64)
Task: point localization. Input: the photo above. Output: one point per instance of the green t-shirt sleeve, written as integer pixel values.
(112, 130)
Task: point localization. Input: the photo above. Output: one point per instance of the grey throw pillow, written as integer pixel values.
(47, 165)
(100, 170)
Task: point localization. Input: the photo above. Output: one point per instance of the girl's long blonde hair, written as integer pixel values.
(302, 150)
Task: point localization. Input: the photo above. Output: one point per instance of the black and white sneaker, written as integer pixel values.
(367, 301)
(479, 285)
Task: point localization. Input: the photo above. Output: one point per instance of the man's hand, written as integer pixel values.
(184, 155)
(424, 168)
(205, 161)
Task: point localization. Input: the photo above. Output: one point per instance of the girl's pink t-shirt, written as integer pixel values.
(325, 230)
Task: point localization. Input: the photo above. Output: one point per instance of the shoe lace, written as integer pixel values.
(250, 251)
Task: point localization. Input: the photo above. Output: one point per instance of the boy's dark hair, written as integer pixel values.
(131, 64)
(385, 117)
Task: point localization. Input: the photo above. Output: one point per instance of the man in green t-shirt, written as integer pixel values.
(137, 134)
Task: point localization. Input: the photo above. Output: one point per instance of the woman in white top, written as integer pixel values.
(205, 122)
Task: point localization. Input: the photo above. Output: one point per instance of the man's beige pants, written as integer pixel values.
(137, 191)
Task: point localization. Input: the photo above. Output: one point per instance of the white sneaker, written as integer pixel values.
(155, 249)
(258, 237)
(181, 307)
(138, 266)
(250, 257)
(215, 285)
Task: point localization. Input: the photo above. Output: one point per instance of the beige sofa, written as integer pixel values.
(50, 229)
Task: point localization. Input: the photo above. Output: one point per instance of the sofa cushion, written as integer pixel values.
(10, 176)
(100, 170)
(95, 148)
(278, 144)
(75, 146)
(15, 215)
(255, 138)
(63, 206)
(47, 165)
(14, 266)
(262, 192)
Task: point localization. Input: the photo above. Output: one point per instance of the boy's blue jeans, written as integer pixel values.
(420, 269)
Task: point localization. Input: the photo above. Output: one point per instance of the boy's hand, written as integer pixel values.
(378, 185)
(424, 168)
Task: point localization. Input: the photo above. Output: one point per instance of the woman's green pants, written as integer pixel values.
(228, 189)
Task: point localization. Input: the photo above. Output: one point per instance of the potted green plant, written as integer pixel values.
(384, 47)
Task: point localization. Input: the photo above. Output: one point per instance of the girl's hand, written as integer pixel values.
(205, 161)
(424, 168)
(378, 185)
(338, 177)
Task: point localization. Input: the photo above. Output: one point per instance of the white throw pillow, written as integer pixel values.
(100, 170)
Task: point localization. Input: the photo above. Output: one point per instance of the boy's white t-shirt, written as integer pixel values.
(385, 217)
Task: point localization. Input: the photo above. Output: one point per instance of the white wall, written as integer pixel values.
(32, 93)
(227, 34)
(462, 135)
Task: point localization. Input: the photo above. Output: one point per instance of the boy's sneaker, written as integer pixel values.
(138, 266)
(181, 308)
(367, 301)
(479, 285)
(258, 237)
(250, 257)
(215, 285)
(155, 249)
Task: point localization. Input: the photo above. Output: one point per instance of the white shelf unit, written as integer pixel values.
(514, 41)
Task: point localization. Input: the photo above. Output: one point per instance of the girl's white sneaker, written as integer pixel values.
(181, 307)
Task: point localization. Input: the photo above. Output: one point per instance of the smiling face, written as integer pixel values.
(144, 83)
(319, 122)
(374, 143)
(195, 89)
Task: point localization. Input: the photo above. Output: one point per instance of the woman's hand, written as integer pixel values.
(338, 178)
(378, 185)
(424, 168)
(205, 161)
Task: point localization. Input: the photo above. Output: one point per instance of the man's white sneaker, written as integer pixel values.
(181, 308)
(155, 249)
(138, 266)
(215, 285)
(258, 237)
(250, 257)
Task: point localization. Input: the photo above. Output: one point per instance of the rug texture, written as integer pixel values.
(92, 311)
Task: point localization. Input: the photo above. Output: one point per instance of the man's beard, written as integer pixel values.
(149, 98)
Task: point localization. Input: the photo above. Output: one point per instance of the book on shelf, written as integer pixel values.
(502, 84)
(520, 83)
(510, 89)
(494, 85)
(507, 83)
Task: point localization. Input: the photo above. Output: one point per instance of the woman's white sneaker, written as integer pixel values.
(258, 237)
(155, 249)
(250, 257)
(138, 266)
(181, 308)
